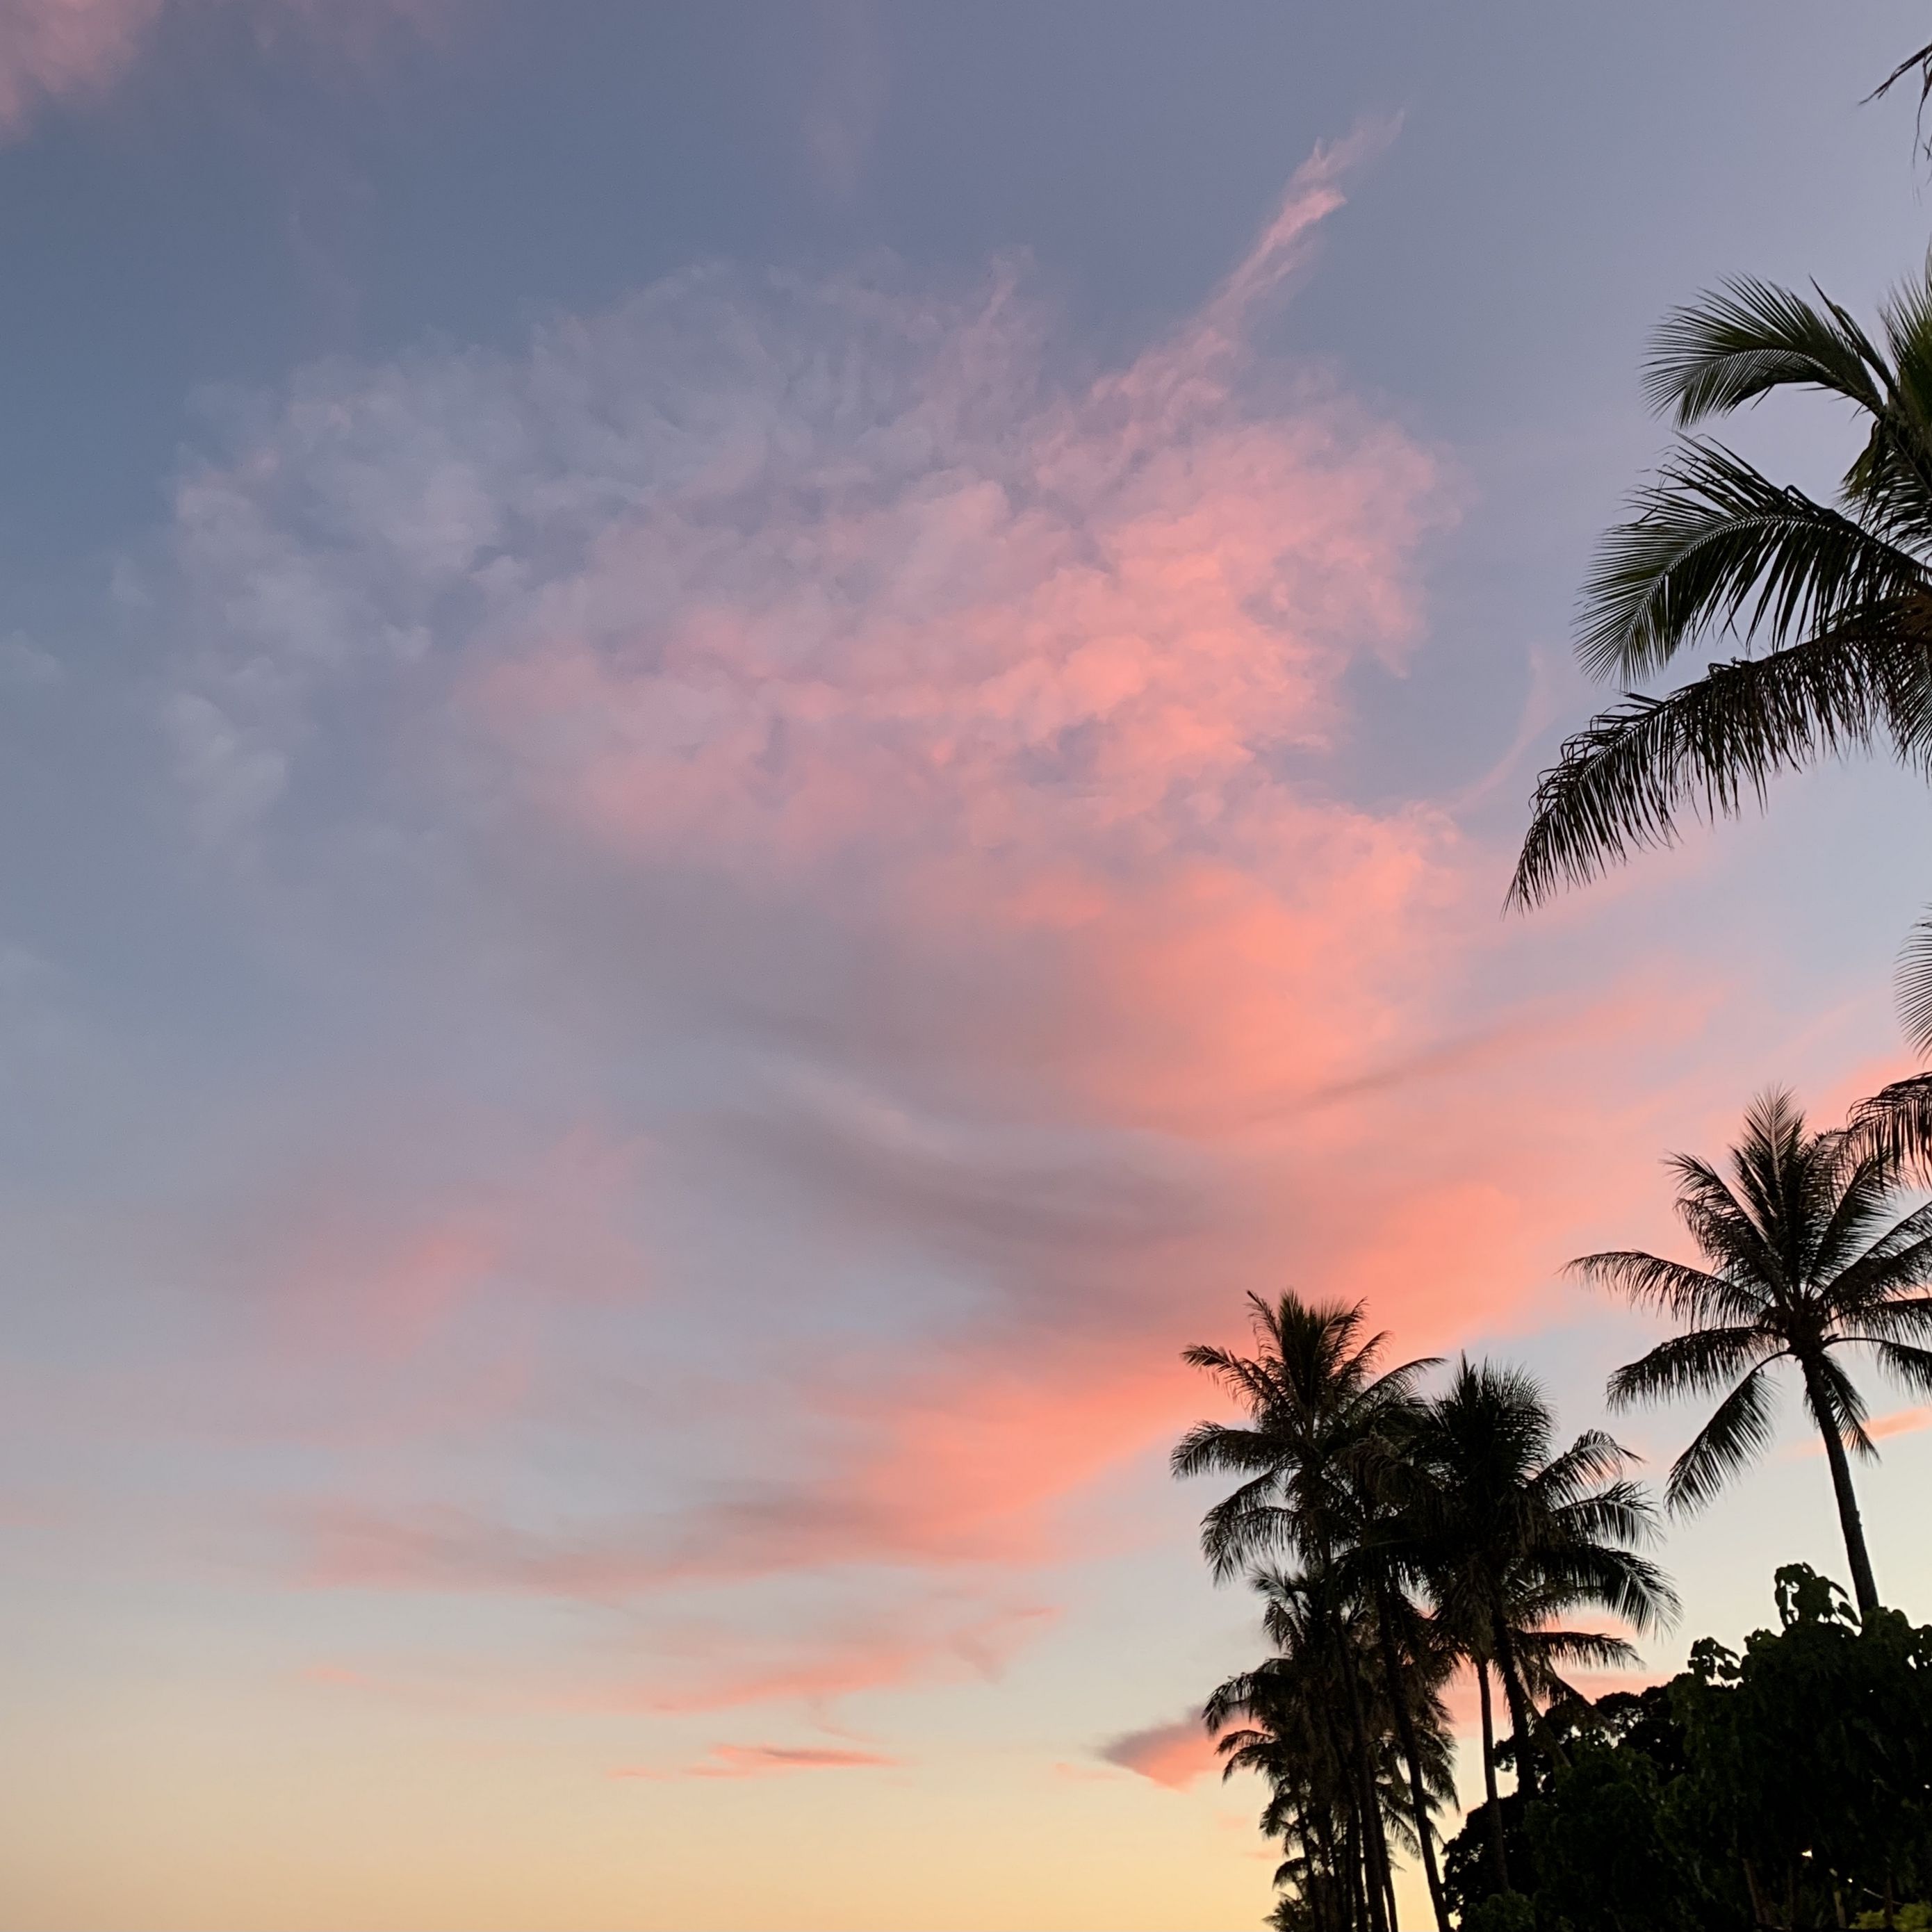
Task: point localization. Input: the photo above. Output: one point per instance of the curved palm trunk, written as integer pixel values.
(1865, 1586)
(1498, 1862)
(1412, 1750)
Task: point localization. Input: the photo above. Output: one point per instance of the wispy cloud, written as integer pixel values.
(765, 1761)
(894, 785)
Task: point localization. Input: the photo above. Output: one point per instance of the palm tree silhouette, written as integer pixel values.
(1316, 1407)
(1804, 1260)
(1508, 1534)
(1838, 595)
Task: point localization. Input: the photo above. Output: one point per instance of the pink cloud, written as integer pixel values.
(1174, 1755)
(1895, 1422)
(765, 1761)
(1900, 1422)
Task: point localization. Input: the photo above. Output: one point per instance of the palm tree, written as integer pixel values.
(1804, 1260)
(1836, 597)
(1316, 1405)
(1508, 1534)
(1290, 1730)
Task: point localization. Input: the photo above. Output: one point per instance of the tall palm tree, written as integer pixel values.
(1804, 1260)
(1833, 600)
(1509, 1534)
(1315, 1405)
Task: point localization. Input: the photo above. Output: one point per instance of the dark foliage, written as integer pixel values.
(1789, 1785)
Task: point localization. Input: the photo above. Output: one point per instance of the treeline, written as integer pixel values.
(1400, 1534)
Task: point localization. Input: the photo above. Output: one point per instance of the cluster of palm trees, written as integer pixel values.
(1398, 1537)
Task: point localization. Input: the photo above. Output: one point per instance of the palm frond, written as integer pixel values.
(1896, 1120)
(1620, 1514)
(1922, 61)
(1891, 1321)
(1861, 1221)
(1902, 1259)
(1912, 1367)
(1625, 781)
(1705, 1360)
(1715, 544)
(1738, 344)
(1246, 1526)
(1629, 1586)
(1684, 1294)
(1889, 486)
(1543, 1651)
(1594, 1458)
(1219, 1448)
(1912, 981)
(1740, 1428)
(1247, 1380)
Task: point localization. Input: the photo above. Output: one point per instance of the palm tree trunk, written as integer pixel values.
(1405, 1724)
(1329, 1896)
(1865, 1586)
(1521, 1712)
(1351, 1851)
(1374, 1846)
(1499, 1862)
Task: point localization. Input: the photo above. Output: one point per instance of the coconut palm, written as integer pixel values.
(1316, 1406)
(1833, 600)
(1315, 1401)
(1510, 1534)
(1287, 1711)
(1805, 1258)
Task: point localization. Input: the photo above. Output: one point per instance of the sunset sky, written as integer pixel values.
(742, 747)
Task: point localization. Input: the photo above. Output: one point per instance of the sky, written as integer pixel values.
(742, 749)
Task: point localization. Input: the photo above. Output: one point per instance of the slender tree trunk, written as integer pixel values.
(1499, 1862)
(1865, 1587)
(1404, 1722)
(1351, 1847)
(1331, 1896)
(1388, 1898)
(1375, 1847)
